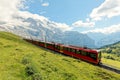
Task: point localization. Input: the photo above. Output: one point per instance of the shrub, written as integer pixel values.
(25, 60)
(30, 70)
(37, 76)
(109, 51)
(109, 57)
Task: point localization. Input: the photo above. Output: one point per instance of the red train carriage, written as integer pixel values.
(59, 48)
(42, 44)
(50, 45)
(90, 55)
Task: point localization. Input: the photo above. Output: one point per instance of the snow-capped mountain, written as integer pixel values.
(44, 29)
(49, 31)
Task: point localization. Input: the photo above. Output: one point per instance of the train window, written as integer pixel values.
(87, 54)
(65, 48)
(73, 50)
(38, 42)
(78, 51)
(93, 56)
(57, 47)
(84, 53)
(68, 49)
(47, 44)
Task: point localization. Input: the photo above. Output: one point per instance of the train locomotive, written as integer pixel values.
(86, 54)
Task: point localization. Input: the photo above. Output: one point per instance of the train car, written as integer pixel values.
(89, 55)
(93, 56)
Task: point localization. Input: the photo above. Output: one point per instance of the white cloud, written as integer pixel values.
(80, 23)
(62, 26)
(8, 10)
(105, 30)
(109, 8)
(44, 20)
(45, 4)
(11, 15)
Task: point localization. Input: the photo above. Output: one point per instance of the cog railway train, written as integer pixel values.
(86, 54)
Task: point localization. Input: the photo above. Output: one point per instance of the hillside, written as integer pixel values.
(20, 60)
(111, 54)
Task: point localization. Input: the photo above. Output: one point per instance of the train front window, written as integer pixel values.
(93, 56)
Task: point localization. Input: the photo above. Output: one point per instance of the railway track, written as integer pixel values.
(110, 68)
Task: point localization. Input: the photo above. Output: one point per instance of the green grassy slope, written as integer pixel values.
(20, 60)
(111, 54)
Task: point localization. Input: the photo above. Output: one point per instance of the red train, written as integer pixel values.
(89, 55)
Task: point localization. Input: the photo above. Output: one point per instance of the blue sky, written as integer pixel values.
(64, 11)
(71, 11)
(80, 15)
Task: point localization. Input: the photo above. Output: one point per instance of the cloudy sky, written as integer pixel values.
(79, 15)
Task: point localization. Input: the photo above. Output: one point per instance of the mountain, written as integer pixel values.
(50, 31)
(20, 60)
(109, 39)
(78, 39)
(104, 39)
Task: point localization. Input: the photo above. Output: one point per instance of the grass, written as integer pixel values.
(20, 60)
(111, 55)
(111, 59)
